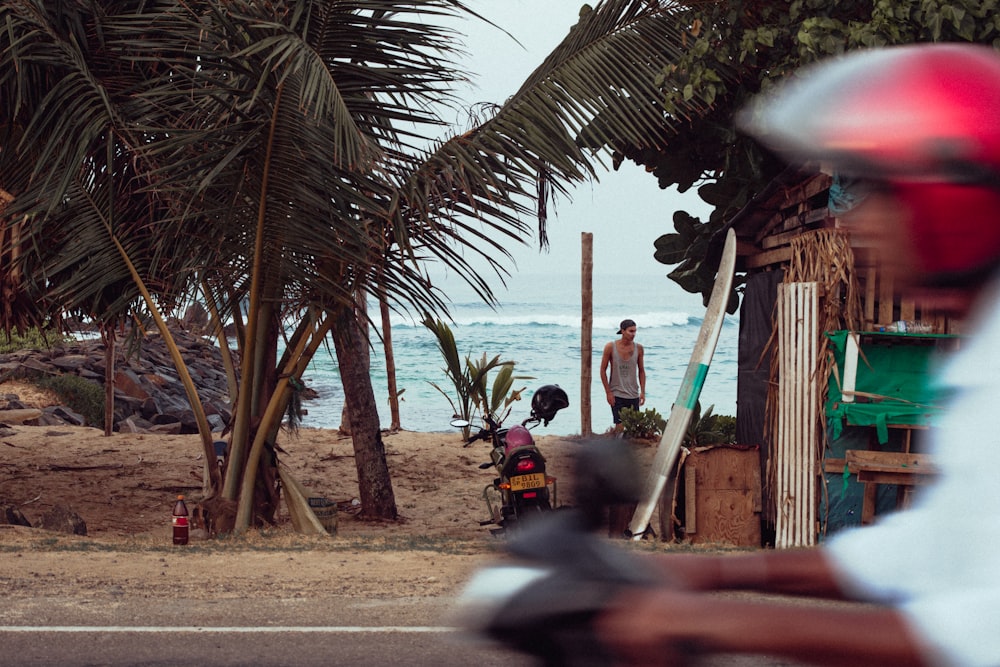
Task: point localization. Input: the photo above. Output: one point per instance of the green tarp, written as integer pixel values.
(892, 382)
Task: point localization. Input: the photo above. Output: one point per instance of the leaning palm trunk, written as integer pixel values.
(208, 448)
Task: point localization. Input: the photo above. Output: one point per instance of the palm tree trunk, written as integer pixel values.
(374, 483)
(390, 363)
(108, 338)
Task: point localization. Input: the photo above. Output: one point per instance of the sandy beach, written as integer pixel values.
(124, 486)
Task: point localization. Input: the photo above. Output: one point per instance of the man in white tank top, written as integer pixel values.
(625, 384)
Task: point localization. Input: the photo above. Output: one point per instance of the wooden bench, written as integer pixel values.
(904, 469)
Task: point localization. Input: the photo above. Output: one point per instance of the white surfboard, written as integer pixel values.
(690, 390)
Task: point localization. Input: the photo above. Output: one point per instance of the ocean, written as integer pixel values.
(537, 326)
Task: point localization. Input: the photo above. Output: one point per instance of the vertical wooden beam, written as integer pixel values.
(586, 330)
(885, 299)
(907, 310)
(690, 500)
(871, 275)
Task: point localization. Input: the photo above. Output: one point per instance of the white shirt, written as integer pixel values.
(939, 562)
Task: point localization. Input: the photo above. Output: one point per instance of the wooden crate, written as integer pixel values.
(720, 496)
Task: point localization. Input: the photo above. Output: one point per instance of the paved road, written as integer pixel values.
(235, 632)
(221, 633)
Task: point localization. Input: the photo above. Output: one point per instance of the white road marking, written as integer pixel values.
(333, 629)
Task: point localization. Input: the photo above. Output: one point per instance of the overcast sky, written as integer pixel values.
(626, 210)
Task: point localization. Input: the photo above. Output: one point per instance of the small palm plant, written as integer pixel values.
(474, 395)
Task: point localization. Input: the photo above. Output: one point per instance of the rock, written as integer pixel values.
(166, 429)
(19, 416)
(216, 423)
(150, 408)
(196, 316)
(134, 425)
(63, 520)
(11, 516)
(70, 362)
(198, 534)
(65, 415)
(146, 383)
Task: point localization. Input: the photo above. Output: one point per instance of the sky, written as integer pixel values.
(625, 210)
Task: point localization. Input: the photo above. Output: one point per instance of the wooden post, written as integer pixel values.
(586, 330)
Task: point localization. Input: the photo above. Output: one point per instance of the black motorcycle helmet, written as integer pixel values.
(547, 401)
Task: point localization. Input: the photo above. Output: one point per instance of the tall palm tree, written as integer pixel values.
(276, 153)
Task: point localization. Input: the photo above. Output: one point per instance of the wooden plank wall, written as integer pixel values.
(722, 496)
(884, 308)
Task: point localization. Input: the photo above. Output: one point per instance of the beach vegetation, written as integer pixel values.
(77, 393)
(474, 397)
(709, 429)
(33, 338)
(276, 161)
(645, 424)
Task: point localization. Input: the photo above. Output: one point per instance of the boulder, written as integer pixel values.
(64, 520)
(10, 515)
(19, 416)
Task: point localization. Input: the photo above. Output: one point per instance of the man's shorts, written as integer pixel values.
(620, 403)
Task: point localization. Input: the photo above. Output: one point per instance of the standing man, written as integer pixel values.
(625, 385)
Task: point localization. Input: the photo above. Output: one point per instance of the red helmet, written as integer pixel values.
(518, 436)
(923, 118)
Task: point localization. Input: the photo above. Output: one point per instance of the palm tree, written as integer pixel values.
(274, 158)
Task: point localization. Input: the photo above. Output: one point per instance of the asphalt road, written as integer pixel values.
(56, 631)
(75, 632)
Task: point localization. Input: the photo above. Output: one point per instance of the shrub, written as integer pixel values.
(78, 394)
(726, 426)
(32, 339)
(647, 424)
(710, 429)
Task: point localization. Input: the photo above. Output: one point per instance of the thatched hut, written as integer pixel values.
(832, 364)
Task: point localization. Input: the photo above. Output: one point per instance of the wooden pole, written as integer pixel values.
(586, 330)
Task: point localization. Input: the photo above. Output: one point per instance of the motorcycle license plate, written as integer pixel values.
(525, 482)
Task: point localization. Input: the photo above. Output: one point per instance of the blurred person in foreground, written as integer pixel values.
(921, 125)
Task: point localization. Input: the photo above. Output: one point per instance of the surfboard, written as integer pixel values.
(690, 390)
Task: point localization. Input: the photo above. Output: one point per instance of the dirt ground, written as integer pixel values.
(124, 486)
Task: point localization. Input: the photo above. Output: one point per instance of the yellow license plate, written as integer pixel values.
(525, 482)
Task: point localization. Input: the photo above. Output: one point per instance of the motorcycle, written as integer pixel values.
(563, 575)
(522, 488)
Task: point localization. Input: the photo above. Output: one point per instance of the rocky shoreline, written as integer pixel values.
(149, 396)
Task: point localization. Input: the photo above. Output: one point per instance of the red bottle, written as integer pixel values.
(181, 527)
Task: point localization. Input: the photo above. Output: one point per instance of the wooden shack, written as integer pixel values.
(816, 311)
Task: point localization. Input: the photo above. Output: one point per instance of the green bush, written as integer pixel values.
(726, 426)
(647, 424)
(32, 339)
(709, 429)
(78, 394)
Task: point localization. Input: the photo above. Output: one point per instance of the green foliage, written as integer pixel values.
(735, 50)
(709, 429)
(725, 425)
(31, 339)
(474, 394)
(77, 393)
(646, 425)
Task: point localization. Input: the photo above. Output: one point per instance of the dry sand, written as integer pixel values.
(123, 486)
